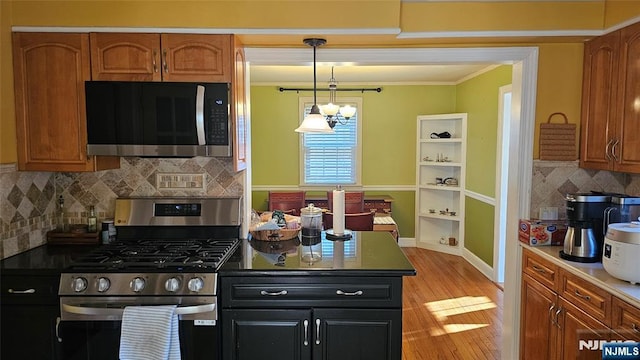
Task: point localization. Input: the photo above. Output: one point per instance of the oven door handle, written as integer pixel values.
(181, 310)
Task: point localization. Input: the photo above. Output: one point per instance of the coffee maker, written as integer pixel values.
(585, 232)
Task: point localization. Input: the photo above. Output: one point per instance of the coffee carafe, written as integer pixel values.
(585, 231)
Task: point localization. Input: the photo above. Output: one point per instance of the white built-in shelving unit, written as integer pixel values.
(440, 206)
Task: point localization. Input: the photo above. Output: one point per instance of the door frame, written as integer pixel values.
(517, 169)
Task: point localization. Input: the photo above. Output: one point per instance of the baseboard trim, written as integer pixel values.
(407, 242)
(478, 263)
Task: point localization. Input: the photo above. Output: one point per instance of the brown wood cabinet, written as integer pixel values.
(558, 309)
(538, 330)
(49, 74)
(161, 57)
(610, 119)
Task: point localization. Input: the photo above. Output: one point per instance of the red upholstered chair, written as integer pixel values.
(355, 221)
(290, 202)
(353, 201)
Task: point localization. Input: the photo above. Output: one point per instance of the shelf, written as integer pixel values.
(441, 187)
(435, 141)
(440, 217)
(440, 163)
(430, 227)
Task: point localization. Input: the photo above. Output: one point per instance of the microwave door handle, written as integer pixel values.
(200, 114)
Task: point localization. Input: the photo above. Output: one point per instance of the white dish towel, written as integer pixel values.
(150, 333)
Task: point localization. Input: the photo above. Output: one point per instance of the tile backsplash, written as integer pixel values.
(28, 199)
(553, 179)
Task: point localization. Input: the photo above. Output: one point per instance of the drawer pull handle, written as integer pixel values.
(355, 293)
(306, 332)
(586, 297)
(539, 269)
(635, 327)
(550, 316)
(276, 293)
(28, 291)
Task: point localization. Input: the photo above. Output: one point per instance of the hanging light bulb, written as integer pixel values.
(315, 122)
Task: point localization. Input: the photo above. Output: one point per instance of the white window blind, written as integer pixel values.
(331, 158)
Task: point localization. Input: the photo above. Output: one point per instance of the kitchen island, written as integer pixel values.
(319, 299)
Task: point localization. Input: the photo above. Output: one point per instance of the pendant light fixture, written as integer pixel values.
(315, 122)
(336, 114)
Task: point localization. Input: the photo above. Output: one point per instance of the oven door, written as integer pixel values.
(90, 326)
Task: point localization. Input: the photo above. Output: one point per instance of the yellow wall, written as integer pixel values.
(8, 147)
(553, 95)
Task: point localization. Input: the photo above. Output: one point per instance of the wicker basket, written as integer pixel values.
(558, 141)
(275, 235)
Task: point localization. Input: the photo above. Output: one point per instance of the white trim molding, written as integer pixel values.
(483, 198)
(478, 263)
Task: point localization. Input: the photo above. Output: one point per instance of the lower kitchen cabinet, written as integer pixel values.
(538, 334)
(564, 316)
(29, 315)
(331, 334)
(311, 318)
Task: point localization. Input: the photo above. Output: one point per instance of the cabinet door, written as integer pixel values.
(195, 57)
(49, 74)
(125, 57)
(239, 110)
(266, 334)
(599, 91)
(538, 330)
(628, 150)
(355, 334)
(28, 332)
(580, 334)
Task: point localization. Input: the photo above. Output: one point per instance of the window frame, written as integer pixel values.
(304, 101)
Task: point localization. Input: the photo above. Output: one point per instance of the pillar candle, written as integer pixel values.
(338, 212)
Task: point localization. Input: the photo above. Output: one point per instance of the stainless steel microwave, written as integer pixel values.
(158, 119)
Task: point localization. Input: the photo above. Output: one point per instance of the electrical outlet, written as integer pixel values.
(549, 213)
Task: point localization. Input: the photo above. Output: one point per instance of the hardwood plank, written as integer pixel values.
(450, 310)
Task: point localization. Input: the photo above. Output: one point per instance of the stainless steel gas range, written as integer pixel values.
(167, 252)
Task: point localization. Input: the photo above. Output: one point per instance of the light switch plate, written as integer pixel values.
(549, 213)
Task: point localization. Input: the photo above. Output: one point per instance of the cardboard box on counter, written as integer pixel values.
(542, 232)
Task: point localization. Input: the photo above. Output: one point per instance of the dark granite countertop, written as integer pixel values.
(370, 253)
(45, 259)
(367, 253)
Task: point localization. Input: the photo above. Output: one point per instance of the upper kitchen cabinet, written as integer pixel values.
(161, 57)
(49, 74)
(610, 110)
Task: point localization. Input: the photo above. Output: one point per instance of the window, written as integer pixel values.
(332, 159)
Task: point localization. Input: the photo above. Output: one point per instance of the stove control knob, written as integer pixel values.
(172, 284)
(137, 284)
(196, 284)
(79, 284)
(103, 284)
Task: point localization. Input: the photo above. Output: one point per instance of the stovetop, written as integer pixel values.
(157, 255)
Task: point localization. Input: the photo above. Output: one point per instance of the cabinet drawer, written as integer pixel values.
(304, 292)
(625, 320)
(588, 297)
(540, 269)
(30, 289)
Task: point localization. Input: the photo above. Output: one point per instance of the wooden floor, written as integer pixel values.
(450, 310)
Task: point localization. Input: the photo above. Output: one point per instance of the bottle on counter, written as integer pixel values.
(92, 220)
(60, 215)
